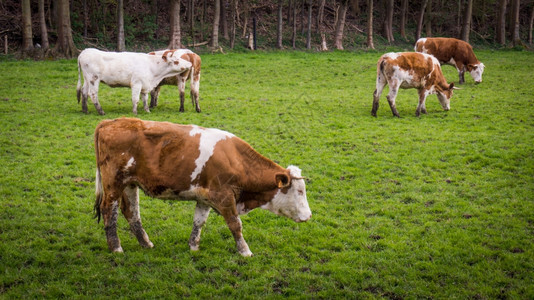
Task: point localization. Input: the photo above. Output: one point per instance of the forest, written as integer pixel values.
(61, 28)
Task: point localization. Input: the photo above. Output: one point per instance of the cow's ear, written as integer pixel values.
(282, 180)
(471, 67)
(164, 57)
(451, 86)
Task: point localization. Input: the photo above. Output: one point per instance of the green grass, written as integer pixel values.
(439, 206)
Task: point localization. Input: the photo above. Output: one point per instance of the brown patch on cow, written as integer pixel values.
(196, 62)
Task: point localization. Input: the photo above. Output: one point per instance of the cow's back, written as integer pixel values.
(445, 49)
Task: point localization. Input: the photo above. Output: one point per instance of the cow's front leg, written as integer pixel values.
(154, 94)
(109, 209)
(195, 86)
(144, 97)
(130, 210)
(136, 91)
(235, 225)
(461, 71)
(201, 215)
(421, 108)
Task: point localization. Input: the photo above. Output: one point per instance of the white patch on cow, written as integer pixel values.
(404, 77)
(392, 55)
(452, 62)
(129, 164)
(209, 137)
(292, 204)
(477, 72)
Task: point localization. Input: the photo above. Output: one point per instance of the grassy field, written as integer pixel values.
(440, 206)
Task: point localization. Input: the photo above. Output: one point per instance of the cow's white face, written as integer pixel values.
(176, 63)
(476, 72)
(444, 97)
(291, 202)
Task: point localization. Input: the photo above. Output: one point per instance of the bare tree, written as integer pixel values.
(404, 8)
(308, 37)
(370, 43)
(388, 21)
(27, 34)
(320, 16)
(120, 26)
(175, 39)
(420, 20)
(466, 27)
(515, 23)
(428, 21)
(65, 44)
(191, 20)
(294, 33)
(215, 31)
(279, 26)
(530, 24)
(42, 22)
(501, 22)
(224, 21)
(340, 25)
(233, 23)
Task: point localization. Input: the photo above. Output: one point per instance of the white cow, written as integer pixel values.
(139, 71)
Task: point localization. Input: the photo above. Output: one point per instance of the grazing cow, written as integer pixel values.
(411, 70)
(193, 73)
(186, 162)
(139, 71)
(454, 52)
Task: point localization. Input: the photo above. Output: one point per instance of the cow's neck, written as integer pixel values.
(261, 171)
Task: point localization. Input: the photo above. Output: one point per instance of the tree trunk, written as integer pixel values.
(224, 22)
(404, 8)
(27, 34)
(44, 30)
(85, 18)
(233, 23)
(320, 17)
(294, 35)
(341, 25)
(420, 20)
(466, 27)
(515, 23)
(355, 4)
(120, 26)
(192, 20)
(370, 43)
(279, 26)
(215, 31)
(308, 37)
(428, 23)
(65, 44)
(501, 22)
(530, 25)
(388, 21)
(175, 39)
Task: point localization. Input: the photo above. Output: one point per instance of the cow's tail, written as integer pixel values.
(380, 71)
(79, 86)
(99, 191)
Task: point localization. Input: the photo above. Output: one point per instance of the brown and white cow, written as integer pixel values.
(453, 52)
(411, 70)
(139, 71)
(193, 73)
(186, 162)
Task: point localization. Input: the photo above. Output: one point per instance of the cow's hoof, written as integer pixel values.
(193, 248)
(118, 250)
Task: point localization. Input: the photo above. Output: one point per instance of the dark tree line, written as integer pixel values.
(311, 24)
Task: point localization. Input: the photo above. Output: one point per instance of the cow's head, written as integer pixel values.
(445, 95)
(476, 71)
(176, 63)
(290, 200)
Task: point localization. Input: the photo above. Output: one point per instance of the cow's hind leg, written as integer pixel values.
(195, 87)
(380, 84)
(130, 210)
(93, 93)
(181, 89)
(201, 215)
(109, 208)
(144, 97)
(393, 90)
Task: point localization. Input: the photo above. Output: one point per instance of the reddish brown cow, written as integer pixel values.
(186, 162)
(454, 52)
(193, 73)
(411, 70)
